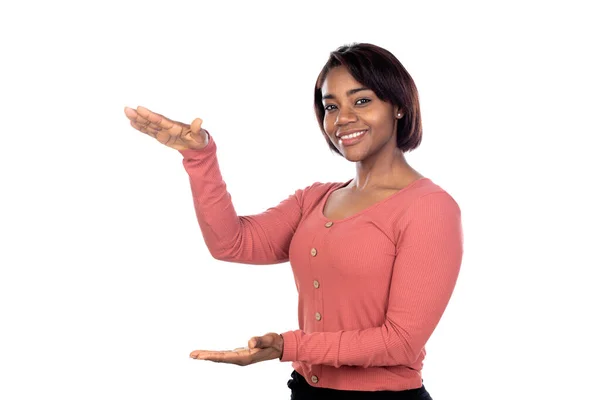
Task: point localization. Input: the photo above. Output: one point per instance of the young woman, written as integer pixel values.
(375, 258)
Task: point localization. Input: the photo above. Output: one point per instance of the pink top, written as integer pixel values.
(372, 287)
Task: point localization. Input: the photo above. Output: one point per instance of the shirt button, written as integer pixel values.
(318, 316)
(313, 252)
(316, 284)
(328, 224)
(314, 379)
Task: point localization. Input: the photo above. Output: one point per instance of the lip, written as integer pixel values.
(340, 134)
(350, 142)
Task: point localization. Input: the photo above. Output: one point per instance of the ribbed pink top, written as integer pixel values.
(372, 287)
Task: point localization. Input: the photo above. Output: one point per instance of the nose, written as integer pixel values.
(345, 116)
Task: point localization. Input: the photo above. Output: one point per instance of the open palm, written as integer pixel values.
(260, 348)
(176, 135)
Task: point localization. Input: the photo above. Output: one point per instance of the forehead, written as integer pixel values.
(338, 81)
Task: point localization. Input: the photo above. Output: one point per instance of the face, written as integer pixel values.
(356, 121)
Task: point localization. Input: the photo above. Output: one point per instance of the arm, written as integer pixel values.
(257, 239)
(428, 258)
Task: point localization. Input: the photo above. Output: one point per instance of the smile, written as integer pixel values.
(352, 138)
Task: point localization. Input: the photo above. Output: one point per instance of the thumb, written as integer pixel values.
(259, 342)
(196, 126)
(197, 134)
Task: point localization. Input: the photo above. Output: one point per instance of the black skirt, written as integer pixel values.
(301, 390)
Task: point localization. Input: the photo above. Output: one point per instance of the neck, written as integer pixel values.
(386, 169)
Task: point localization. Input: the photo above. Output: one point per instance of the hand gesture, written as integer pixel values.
(174, 134)
(260, 348)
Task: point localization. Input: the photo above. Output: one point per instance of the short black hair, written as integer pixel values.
(379, 70)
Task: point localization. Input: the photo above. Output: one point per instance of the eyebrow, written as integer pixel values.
(348, 93)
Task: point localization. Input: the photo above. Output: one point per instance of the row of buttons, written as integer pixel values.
(313, 252)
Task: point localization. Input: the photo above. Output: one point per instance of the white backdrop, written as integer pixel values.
(106, 285)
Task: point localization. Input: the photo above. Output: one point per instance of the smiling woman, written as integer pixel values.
(375, 258)
(371, 74)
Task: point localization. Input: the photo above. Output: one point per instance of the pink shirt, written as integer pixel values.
(372, 287)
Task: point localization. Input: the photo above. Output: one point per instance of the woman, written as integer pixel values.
(375, 259)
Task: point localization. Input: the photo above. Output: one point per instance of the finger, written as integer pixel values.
(144, 112)
(133, 116)
(171, 127)
(206, 353)
(196, 126)
(261, 342)
(254, 342)
(195, 132)
(144, 122)
(210, 353)
(145, 129)
(141, 120)
(243, 356)
(130, 113)
(155, 118)
(215, 356)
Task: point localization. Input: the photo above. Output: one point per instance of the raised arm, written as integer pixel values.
(255, 239)
(428, 259)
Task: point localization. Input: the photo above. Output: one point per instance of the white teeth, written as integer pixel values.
(352, 135)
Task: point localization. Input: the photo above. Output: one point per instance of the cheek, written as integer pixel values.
(328, 123)
(382, 121)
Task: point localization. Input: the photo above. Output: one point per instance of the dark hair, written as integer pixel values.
(380, 71)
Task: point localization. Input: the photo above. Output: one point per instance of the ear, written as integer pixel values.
(398, 112)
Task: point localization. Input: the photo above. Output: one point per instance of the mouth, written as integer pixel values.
(351, 137)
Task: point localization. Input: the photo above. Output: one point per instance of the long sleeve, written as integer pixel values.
(429, 252)
(256, 239)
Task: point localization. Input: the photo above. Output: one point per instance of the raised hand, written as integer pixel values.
(176, 135)
(260, 348)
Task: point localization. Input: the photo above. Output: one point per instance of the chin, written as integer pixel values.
(357, 152)
(354, 156)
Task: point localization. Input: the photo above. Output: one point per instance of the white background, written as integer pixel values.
(106, 285)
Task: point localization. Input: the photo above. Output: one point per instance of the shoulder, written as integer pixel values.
(428, 195)
(425, 206)
(314, 193)
(319, 189)
(433, 214)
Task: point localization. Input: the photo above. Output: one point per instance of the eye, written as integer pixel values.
(329, 107)
(361, 102)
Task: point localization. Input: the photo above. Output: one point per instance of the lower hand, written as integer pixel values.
(260, 348)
